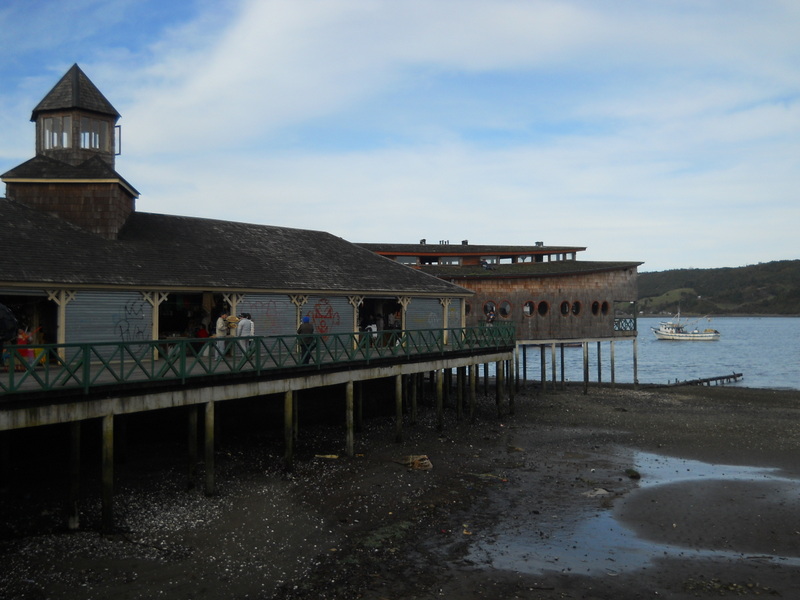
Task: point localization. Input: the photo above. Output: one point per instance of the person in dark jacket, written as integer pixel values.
(307, 343)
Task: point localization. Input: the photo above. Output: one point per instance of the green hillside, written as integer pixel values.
(764, 289)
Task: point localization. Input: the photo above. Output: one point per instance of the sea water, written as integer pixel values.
(765, 350)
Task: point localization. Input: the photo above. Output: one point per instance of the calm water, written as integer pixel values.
(765, 350)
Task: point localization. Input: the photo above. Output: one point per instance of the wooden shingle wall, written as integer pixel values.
(581, 292)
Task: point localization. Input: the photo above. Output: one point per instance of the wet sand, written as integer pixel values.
(665, 493)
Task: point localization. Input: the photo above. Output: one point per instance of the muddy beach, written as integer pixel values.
(652, 493)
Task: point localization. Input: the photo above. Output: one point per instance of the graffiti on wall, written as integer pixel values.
(323, 316)
(132, 324)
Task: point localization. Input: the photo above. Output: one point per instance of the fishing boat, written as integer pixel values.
(678, 330)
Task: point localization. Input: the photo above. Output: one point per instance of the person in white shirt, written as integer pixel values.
(245, 328)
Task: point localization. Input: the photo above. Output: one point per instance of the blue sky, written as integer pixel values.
(665, 131)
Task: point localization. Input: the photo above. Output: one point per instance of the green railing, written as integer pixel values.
(624, 323)
(49, 367)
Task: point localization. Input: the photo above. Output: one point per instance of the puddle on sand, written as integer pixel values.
(597, 543)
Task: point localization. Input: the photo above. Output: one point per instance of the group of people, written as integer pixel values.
(244, 327)
(241, 326)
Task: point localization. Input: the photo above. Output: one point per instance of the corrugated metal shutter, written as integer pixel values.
(329, 314)
(454, 313)
(424, 313)
(22, 292)
(273, 314)
(105, 316)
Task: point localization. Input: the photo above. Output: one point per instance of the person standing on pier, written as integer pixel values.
(245, 328)
(306, 333)
(221, 332)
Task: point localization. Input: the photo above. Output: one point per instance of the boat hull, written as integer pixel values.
(694, 336)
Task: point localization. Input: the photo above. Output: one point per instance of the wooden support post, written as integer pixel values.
(599, 364)
(473, 390)
(350, 442)
(613, 367)
(585, 367)
(524, 366)
(209, 448)
(635, 365)
(439, 401)
(511, 390)
(359, 391)
(543, 360)
(460, 393)
(563, 385)
(414, 383)
(107, 509)
(295, 415)
(73, 520)
(553, 359)
(398, 408)
(498, 385)
(191, 442)
(288, 430)
(486, 379)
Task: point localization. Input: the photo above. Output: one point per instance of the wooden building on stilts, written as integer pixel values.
(552, 299)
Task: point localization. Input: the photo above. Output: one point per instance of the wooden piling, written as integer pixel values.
(398, 408)
(288, 430)
(107, 508)
(209, 442)
(192, 446)
(349, 418)
(73, 520)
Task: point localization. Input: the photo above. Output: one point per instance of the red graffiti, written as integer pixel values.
(323, 316)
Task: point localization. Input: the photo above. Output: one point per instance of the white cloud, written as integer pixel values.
(621, 126)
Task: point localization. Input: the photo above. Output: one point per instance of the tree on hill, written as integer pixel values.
(767, 288)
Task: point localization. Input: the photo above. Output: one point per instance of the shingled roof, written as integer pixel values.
(527, 269)
(157, 251)
(75, 90)
(45, 168)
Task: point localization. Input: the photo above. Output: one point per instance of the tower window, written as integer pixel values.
(94, 134)
(57, 132)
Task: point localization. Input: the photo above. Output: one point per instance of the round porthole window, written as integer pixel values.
(543, 309)
(565, 308)
(604, 308)
(595, 307)
(528, 308)
(576, 308)
(505, 309)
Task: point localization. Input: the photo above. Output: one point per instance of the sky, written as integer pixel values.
(665, 132)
